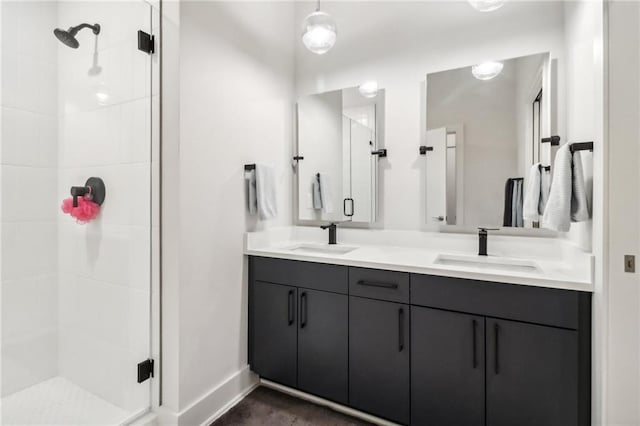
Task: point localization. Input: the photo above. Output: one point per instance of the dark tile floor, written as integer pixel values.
(267, 407)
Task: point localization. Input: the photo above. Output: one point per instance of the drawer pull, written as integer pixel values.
(378, 284)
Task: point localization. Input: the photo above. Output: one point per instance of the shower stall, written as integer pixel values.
(78, 218)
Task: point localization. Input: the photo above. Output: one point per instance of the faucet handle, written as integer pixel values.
(482, 228)
(329, 226)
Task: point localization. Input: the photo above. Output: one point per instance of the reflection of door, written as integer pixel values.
(362, 143)
(536, 128)
(436, 207)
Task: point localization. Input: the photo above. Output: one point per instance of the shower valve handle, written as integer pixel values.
(79, 191)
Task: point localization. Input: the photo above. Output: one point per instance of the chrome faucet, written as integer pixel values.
(482, 240)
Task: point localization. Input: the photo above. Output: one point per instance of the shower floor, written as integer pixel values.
(58, 401)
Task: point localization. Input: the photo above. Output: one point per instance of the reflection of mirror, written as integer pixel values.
(337, 133)
(485, 133)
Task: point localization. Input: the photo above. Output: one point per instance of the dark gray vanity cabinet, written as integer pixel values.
(532, 375)
(274, 338)
(421, 349)
(298, 325)
(447, 368)
(323, 344)
(379, 353)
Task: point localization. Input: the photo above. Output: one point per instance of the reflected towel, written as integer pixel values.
(266, 191)
(545, 185)
(315, 192)
(531, 209)
(322, 194)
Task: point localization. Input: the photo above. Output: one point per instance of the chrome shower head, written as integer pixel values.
(68, 37)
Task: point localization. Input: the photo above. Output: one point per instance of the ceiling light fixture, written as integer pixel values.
(487, 70)
(486, 5)
(319, 31)
(369, 89)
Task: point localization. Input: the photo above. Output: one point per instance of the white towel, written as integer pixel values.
(250, 181)
(567, 197)
(326, 193)
(557, 213)
(266, 191)
(579, 206)
(545, 186)
(532, 195)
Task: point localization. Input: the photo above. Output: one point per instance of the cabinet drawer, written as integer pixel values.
(377, 284)
(531, 304)
(317, 276)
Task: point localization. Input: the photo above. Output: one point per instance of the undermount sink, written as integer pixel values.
(488, 263)
(335, 249)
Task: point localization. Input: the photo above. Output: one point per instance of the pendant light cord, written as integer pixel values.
(318, 6)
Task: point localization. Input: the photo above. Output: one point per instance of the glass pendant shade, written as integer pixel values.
(487, 70)
(319, 32)
(486, 5)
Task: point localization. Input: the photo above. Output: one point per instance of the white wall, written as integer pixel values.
(28, 182)
(236, 107)
(398, 44)
(618, 344)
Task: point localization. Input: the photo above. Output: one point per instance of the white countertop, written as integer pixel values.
(559, 263)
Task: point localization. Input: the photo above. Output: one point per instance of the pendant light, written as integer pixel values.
(319, 31)
(487, 70)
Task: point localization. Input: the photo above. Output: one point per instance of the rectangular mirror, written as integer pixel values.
(338, 132)
(486, 126)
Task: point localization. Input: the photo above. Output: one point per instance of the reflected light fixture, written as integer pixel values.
(487, 70)
(319, 31)
(369, 89)
(486, 5)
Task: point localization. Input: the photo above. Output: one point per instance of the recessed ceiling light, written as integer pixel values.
(369, 89)
(486, 5)
(487, 70)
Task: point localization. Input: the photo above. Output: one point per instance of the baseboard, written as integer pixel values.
(214, 403)
(326, 403)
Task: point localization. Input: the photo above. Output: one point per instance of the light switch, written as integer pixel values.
(629, 263)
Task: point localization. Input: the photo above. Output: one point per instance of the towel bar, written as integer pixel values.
(581, 146)
(553, 140)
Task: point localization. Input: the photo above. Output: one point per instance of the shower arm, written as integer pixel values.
(95, 28)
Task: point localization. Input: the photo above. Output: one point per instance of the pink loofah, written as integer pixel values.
(86, 211)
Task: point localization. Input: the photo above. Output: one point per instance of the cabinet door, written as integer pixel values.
(323, 344)
(273, 334)
(532, 375)
(447, 368)
(379, 358)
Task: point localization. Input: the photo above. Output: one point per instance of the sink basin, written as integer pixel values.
(488, 263)
(335, 249)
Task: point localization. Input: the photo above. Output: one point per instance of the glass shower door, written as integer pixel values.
(76, 289)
